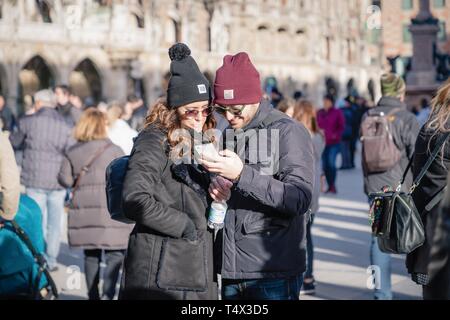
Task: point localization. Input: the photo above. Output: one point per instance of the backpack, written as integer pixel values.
(115, 176)
(379, 151)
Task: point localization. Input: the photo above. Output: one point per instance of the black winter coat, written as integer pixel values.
(264, 233)
(168, 202)
(432, 183)
(439, 267)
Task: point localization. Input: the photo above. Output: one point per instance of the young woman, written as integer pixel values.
(305, 113)
(90, 226)
(431, 187)
(170, 252)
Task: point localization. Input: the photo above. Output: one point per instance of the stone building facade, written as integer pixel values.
(396, 19)
(107, 49)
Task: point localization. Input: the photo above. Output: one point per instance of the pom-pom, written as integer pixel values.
(179, 51)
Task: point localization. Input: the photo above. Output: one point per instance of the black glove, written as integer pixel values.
(189, 231)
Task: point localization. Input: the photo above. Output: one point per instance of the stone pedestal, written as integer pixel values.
(421, 80)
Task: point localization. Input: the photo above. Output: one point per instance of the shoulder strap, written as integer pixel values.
(85, 168)
(40, 260)
(433, 155)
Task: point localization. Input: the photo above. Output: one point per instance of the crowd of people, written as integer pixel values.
(265, 248)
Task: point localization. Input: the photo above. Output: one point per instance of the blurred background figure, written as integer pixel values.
(65, 108)
(424, 112)
(119, 131)
(6, 116)
(102, 106)
(90, 226)
(348, 135)
(287, 106)
(305, 113)
(331, 120)
(275, 97)
(44, 137)
(76, 101)
(135, 112)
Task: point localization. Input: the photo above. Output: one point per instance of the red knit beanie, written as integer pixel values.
(237, 81)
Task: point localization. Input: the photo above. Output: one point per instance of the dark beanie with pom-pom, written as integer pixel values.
(187, 84)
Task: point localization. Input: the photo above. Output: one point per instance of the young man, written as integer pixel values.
(262, 244)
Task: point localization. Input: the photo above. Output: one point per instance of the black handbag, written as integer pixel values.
(395, 220)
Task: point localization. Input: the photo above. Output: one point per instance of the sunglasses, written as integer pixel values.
(194, 113)
(235, 110)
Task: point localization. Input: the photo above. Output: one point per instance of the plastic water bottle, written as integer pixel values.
(216, 215)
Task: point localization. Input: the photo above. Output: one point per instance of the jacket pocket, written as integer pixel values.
(182, 265)
(259, 225)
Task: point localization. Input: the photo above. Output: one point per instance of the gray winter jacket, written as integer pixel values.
(406, 129)
(90, 225)
(44, 138)
(264, 233)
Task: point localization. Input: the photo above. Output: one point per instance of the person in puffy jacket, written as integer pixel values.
(170, 251)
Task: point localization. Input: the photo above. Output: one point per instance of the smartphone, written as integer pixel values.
(207, 151)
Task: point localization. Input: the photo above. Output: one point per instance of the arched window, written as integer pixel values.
(86, 82)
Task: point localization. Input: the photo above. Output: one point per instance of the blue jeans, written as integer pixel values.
(329, 156)
(51, 203)
(262, 289)
(309, 249)
(383, 261)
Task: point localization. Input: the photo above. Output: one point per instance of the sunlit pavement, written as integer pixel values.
(341, 236)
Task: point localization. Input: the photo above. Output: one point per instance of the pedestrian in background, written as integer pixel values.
(119, 131)
(331, 120)
(287, 106)
(431, 187)
(65, 108)
(348, 134)
(6, 116)
(305, 113)
(90, 226)
(44, 138)
(135, 112)
(404, 129)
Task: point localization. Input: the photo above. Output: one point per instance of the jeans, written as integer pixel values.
(51, 203)
(329, 163)
(262, 289)
(383, 261)
(309, 249)
(92, 260)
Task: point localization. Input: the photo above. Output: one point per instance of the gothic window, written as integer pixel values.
(44, 11)
(406, 33)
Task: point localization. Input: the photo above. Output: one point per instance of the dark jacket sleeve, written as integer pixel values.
(291, 192)
(17, 138)
(340, 126)
(65, 175)
(439, 267)
(145, 168)
(409, 133)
